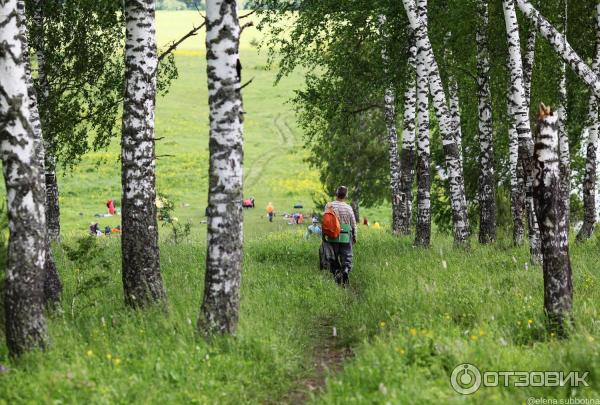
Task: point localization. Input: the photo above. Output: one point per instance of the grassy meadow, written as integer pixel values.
(409, 317)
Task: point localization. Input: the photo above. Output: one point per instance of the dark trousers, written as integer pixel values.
(341, 266)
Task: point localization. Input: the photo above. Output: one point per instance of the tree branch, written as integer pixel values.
(174, 45)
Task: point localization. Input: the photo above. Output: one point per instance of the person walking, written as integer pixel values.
(270, 210)
(342, 245)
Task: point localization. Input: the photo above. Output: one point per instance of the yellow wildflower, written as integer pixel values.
(413, 332)
(382, 324)
(474, 337)
(590, 339)
(89, 353)
(109, 356)
(117, 361)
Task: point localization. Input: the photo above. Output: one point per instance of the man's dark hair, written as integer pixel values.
(341, 192)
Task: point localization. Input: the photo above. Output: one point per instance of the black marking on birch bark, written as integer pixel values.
(142, 280)
(220, 306)
(551, 211)
(487, 178)
(52, 283)
(400, 208)
(24, 283)
(453, 167)
(589, 179)
(519, 109)
(423, 225)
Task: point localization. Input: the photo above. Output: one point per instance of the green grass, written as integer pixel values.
(408, 318)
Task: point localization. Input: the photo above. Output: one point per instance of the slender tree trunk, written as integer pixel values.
(517, 176)
(355, 204)
(24, 282)
(43, 90)
(552, 214)
(487, 178)
(408, 153)
(563, 136)
(423, 226)
(589, 179)
(142, 281)
(398, 199)
(52, 283)
(520, 114)
(454, 101)
(561, 46)
(447, 129)
(220, 307)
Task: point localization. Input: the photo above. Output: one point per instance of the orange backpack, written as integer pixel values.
(331, 223)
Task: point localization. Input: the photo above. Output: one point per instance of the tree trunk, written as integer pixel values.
(423, 226)
(561, 46)
(220, 307)
(408, 153)
(589, 179)
(487, 178)
(142, 281)
(563, 136)
(519, 110)
(398, 199)
(43, 86)
(447, 129)
(52, 283)
(552, 214)
(355, 204)
(24, 282)
(517, 176)
(454, 101)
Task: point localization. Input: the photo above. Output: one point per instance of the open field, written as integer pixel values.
(409, 318)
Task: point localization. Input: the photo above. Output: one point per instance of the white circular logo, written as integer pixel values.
(465, 379)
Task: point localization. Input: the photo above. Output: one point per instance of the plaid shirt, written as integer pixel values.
(345, 214)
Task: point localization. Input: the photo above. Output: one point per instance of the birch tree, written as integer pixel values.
(220, 306)
(399, 203)
(142, 281)
(23, 289)
(589, 179)
(561, 46)
(554, 222)
(43, 90)
(408, 152)
(423, 226)
(520, 114)
(563, 136)
(487, 181)
(452, 155)
(52, 283)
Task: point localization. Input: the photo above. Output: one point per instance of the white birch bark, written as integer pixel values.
(23, 288)
(561, 46)
(142, 281)
(589, 179)
(220, 307)
(453, 165)
(520, 114)
(487, 182)
(554, 223)
(390, 122)
(563, 136)
(423, 225)
(408, 152)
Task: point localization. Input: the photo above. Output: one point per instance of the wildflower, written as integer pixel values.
(474, 337)
(89, 353)
(109, 356)
(399, 350)
(590, 339)
(413, 332)
(529, 321)
(519, 323)
(447, 316)
(117, 361)
(481, 333)
(552, 334)
(382, 324)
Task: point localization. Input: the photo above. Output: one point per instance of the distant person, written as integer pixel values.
(342, 245)
(110, 204)
(270, 211)
(365, 221)
(313, 229)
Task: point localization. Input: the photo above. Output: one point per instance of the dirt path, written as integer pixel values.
(328, 357)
